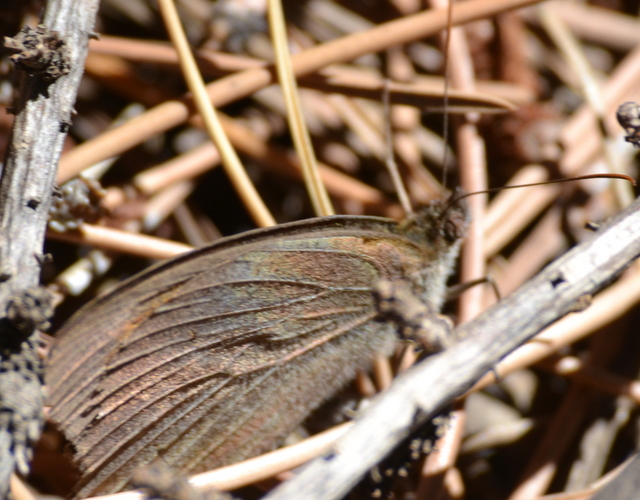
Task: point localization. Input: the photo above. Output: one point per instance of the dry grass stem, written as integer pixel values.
(230, 159)
(123, 241)
(317, 192)
(186, 166)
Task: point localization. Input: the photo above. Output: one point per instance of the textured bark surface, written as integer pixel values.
(51, 58)
(625, 486)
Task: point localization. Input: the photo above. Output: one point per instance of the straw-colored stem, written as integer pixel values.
(230, 160)
(299, 132)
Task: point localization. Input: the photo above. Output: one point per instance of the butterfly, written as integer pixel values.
(218, 354)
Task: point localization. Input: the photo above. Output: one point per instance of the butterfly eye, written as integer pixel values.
(453, 228)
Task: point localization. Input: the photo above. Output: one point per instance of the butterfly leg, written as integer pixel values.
(416, 320)
(157, 481)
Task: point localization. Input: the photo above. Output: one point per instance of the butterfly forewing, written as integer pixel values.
(217, 355)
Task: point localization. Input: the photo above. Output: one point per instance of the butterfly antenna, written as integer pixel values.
(458, 196)
(445, 123)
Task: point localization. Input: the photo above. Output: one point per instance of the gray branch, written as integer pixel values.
(422, 391)
(51, 74)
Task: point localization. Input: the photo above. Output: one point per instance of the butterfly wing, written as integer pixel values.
(217, 355)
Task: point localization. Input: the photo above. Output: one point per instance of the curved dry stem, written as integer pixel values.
(233, 167)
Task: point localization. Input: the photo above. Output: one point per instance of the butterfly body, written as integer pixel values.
(217, 355)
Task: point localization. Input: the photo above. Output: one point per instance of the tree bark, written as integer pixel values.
(43, 108)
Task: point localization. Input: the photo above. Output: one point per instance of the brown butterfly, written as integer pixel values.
(217, 355)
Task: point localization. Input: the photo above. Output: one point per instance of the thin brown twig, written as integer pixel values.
(223, 91)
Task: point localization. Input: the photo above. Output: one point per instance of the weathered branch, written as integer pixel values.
(52, 60)
(421, 392)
